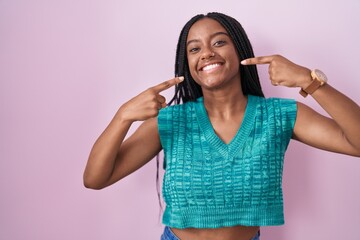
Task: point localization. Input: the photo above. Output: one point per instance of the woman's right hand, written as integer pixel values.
(148, 103)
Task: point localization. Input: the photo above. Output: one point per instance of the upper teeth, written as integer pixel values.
(211, 66)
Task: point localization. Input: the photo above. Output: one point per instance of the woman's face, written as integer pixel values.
(211, 54)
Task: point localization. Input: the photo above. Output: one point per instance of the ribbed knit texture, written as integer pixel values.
(210, 184)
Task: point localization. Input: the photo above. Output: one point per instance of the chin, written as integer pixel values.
(212, 86)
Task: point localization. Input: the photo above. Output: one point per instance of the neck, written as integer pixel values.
(224, 104)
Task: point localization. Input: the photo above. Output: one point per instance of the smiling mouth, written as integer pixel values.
(210, 67)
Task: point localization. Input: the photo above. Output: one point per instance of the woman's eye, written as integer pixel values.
(192, 50)
(219, 43)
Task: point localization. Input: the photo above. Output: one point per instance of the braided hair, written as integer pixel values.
(189, 90)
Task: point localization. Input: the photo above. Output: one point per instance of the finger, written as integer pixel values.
(167, 84)
(257, 60)
(161, 99)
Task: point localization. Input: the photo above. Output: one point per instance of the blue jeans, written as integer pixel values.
(169, 235)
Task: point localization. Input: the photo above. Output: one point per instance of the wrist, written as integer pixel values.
(318, 79)
(306, 79)
(122, 117)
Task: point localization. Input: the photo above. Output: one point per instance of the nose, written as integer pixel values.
(207, 54)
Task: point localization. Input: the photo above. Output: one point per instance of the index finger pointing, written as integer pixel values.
(167, 84)
(257, 60)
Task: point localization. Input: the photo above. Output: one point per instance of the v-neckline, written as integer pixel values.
(227, 150)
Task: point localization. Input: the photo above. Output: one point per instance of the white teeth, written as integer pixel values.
(211, 66)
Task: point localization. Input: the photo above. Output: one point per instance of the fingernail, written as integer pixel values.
(243, 62)
(181, 78)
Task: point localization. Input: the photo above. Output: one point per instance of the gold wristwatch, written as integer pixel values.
(318, 79)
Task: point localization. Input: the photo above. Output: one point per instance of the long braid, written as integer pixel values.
(188, 90)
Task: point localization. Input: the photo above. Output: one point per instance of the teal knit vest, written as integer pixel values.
(210, 184)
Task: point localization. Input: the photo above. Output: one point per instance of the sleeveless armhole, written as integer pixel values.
(163, 129)
(288, 111)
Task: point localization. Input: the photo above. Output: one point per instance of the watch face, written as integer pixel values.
(320, 75)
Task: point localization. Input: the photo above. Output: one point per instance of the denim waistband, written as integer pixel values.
(169, 235)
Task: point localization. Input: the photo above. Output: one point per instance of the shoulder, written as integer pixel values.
(272, 100)
(188, 106)
(280, 104)
(178, 114)
(281, 110)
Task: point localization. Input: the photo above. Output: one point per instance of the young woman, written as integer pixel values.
(223, 142)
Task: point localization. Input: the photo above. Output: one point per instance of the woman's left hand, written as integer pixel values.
(282, 71)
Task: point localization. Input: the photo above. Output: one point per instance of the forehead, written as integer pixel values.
(204, 27)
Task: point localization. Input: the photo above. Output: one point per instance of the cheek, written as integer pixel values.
(192, 67)
(235, 63)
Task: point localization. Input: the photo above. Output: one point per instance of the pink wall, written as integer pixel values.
(65, 68)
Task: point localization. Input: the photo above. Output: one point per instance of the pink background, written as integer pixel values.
(65, 68)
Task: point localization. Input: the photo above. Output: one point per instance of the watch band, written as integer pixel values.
(314, 85)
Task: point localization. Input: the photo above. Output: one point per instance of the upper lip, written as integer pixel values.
(209, 63)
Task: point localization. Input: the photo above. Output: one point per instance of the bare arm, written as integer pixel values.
(341, 132)
(112, 158)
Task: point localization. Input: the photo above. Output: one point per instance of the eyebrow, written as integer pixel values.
(212, 35)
